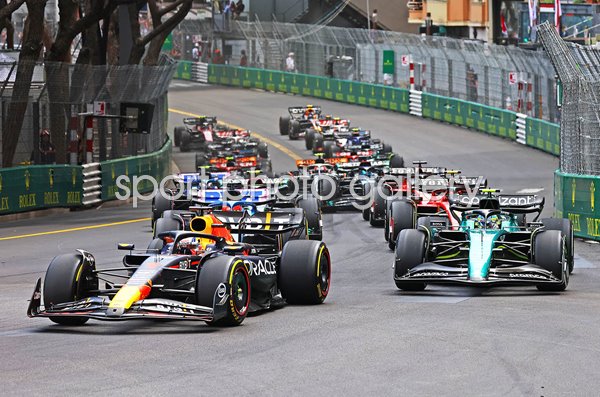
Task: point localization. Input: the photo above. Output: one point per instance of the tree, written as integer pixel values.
(155, 39)
(30, 53)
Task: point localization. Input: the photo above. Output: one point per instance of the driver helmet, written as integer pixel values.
(478, 221)
(494, 222)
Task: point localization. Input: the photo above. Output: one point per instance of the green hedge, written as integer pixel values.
(35, 187)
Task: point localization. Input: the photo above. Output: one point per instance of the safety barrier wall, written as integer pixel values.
(36, 187)
(29, 188)
(156, 165)
(572, 195)
(576, 197)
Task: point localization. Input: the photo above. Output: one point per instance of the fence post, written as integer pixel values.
(411, 66)
(486, 85)
(450, 92)
(73, 140)
(89, 139)
(36, 132)
(432, 73)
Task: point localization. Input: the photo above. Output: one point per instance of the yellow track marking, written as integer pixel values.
(271, 142)
(76, 229)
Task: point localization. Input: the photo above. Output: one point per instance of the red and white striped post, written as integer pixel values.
(519, 95)
(529, 99)
(89, 139)
(73, 141)
(411, 72)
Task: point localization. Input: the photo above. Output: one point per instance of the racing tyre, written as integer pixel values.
(201, 161)
(326, 187)
(310, 205)
(565, 226)
(177, 135)
(166, 224)
(366, 212)
(309, 138)
(284, 125)
(403, 216)
(330, 148)
(155, 246)
(410, 252)
(263, 150)
(69, 278)
(387, 148)
(160, 204)
(397, 161)
(317, 146)
(294, 129)
(377, 210)
(550, 254)
(231, 273)
(185, 141)
(305, 272)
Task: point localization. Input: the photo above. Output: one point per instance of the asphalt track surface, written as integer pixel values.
(368, 338)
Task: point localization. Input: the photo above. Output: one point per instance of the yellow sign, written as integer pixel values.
(74, 177)
(573, 186)
(592, 195)
(27, 181)
(51, 177)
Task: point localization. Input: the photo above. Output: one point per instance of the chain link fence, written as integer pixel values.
(498, 76)
(61, 92)
(578, 68)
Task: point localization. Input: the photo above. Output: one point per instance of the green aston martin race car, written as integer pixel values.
(490, 246)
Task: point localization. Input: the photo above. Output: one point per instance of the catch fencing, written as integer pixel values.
(579, 70)
(61, 94)
(508, 78)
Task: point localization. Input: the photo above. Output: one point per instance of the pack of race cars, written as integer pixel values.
(231, 238)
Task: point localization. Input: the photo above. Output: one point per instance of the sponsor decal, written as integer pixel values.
(430, 274)
(4, 204)
(27, 200)
(527, 275)
(576, 221)
(51, 177)
(51, 198)
(593, 227)
(262, 267)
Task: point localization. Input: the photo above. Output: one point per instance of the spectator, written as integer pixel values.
(471, 84)
(196, 52)
(290, 64)
(216, 6)
(374, 19)
(239, 8)
(243, 59)
(46, 148)
(217, 57)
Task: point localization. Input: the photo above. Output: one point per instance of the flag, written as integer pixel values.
(503, 25)
(532, 4)
(557, 14)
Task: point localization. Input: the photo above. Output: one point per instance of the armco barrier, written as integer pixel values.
(41, 186)
(36, 187)
(156, 165)
(577, 197)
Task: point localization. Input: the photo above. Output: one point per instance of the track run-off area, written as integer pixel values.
(367, 338)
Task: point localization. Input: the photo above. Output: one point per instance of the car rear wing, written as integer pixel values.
(420, 170)
(200, 120)
(307, 162)
(513, 203)
(269, 222)
(297, 111)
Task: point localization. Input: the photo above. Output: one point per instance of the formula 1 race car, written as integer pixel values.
(258, 194)
(326, 128)
(429, 196)
(186, 275)
(235, 153)
(355, 140)
(299, 120)
(195, 133)
(489, 247)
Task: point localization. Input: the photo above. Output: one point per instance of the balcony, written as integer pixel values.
(449, 12)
